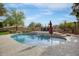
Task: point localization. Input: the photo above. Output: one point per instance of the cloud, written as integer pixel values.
(13, 5)
(52, 6)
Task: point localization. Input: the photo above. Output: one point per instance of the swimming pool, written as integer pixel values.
(34, 39)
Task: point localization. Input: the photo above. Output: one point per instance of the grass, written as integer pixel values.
(4, 33)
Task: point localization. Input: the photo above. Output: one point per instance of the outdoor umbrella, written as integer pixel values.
(50, 28)
(50, 31)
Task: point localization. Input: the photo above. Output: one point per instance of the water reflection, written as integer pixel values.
(37, 39)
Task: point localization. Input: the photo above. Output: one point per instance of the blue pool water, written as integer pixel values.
(34, 39)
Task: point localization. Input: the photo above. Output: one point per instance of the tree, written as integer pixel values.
(8, 21)
(2, 9)
(34, 26)
(38, 25)
(18, 17)
(75, 11)
(67, 26)
(14, 18)
(63, 25)
(31, 26)
(2, 13)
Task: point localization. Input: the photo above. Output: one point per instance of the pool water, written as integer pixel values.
(33, 39)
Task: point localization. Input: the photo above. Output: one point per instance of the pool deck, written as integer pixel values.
(10, 47)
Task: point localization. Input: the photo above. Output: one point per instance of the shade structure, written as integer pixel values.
(50, 28)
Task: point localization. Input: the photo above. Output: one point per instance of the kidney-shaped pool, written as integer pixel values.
(34, 39)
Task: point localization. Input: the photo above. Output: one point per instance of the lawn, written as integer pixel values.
(3, 33)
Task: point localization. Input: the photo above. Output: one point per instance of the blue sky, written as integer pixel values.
(44, 12)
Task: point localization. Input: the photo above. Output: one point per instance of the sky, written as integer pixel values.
(44, 12)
